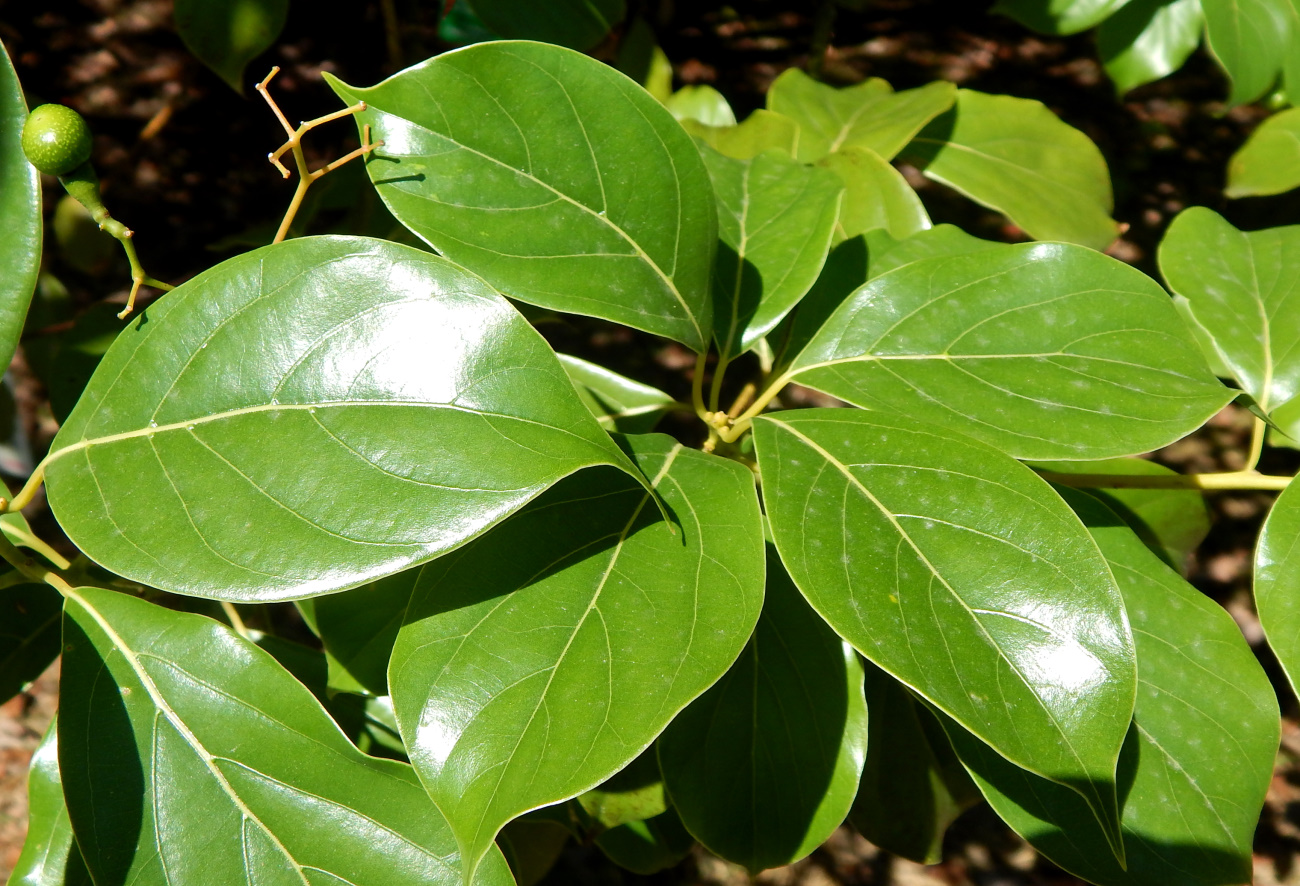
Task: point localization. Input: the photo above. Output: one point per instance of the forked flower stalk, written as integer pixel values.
(294, 145)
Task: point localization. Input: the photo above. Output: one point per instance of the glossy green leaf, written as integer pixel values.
(541, 659)
(20, 207)
(1251, 39)
(640, 58)
(1016, 156)
(647, 847)
(759, 132)
(1277, 581)
(1269, 162)
(50, 856)
(1044, 350)
(764, 766)
(228, 34)
(618, 402)
(553, 177)
(1059, 16)
(64, 361)
(869, 115)
(702, 103)
(775, 221)
(1239, 286)
(1148, 39)
(311, 416)
(29, 634)
(189, 755)
(876, 196)
(358, 628)
(634, 793)
(578, 24)
(961, 573)
(1171, 522)
(888, 253)
(1198, 758)
(912, 785)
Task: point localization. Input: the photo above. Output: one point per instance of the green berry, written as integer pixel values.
(56, 139)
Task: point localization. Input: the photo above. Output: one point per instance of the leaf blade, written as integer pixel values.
(20, 205)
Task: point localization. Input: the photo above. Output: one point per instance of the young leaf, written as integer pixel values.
(775, 220)
(189, 755)
(312, 416)
(29, 634)
(760, 131)
(912, 785)
(877, 196)
(1251, 39)
(228, 34)
(1148, 39)
(552, 176)
(701, 103)
(764, 766)
(541, 659)
(1016, 156)
(20, 207)
(1239, 286)
(578, 24)
(1059, 16)
(1197, 760)
(869, 115)
(1277, 581)
(634, 793)
(619, 403)
(1171, 522)
(50, 856)
(961, 573)
(1047, 351)
(1269, 162)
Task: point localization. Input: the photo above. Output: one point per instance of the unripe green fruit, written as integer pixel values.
(56, 139)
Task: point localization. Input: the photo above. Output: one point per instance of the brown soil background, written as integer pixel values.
(182, 161)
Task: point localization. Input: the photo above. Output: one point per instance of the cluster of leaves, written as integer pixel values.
(537, 619)
(1257, 42)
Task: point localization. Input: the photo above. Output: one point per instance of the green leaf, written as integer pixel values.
(189, 755)
(544, 657)
(912, 785)
(764, 766)
(1250, 38)
(312, 416)
(228, 34)
(702, 103)
(552, 176)
(20, 207)
(1171, 522)
(1016, 156)
(1198, 758)
(578, 24)
(877, 196)
(66, 360)
(1059, 16)
(532, 848)
(760, 131)
(1148, 39)
(618, 402)
(50, 856)
(647, 847)
(869, 115)
(29, 634)
(634, 793)
(1269, 162)
(358, 628)
(1277, 581)
(1238, 286)
(961, 573)
(1047, 351)
(775, 220)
